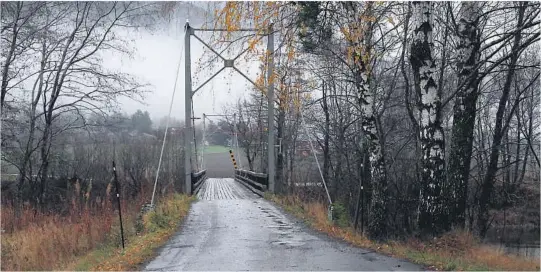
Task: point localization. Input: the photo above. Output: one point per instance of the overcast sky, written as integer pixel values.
(155, 62)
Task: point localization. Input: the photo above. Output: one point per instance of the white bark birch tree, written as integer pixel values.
(431, 209)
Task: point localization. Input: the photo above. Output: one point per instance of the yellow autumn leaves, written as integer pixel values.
(259, 16)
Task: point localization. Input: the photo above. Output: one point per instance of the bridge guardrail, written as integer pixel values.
(256, 182)
(197, 180)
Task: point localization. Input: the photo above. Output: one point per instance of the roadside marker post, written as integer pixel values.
(233, 159)
(117, 185)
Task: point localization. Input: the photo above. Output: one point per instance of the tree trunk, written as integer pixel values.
(326, 154)
(464, 110)
(44, 163)
(280, 184)
(488, 181)
(432, 217)
(377, 227)
(9, 56)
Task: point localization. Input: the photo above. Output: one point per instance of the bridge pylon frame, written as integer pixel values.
(188, 95)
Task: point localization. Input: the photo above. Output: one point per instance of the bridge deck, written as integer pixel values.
(231, 228)
(224, 188)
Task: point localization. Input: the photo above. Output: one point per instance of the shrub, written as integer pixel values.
(340, 215)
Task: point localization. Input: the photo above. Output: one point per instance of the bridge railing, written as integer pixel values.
(197, 180)
(256, 182)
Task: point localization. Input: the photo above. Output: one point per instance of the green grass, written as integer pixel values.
(216, 149)
(97, 256)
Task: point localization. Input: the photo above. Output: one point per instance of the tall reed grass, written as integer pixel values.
(40, 241)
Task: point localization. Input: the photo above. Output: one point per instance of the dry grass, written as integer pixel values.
(159, 226)
(37, 241)
(453, 251)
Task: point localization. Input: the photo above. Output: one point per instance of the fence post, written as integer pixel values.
(117, 185)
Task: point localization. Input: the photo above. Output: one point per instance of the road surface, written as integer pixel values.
(230, 228)
(219, 165)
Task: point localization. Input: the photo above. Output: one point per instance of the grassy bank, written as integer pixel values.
(38, 241)
(158, 226)
(454, 251)
(85, 237)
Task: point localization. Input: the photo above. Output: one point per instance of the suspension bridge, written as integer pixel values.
(231, 226)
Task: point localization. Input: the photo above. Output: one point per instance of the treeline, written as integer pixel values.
(80, 164)
(433, 107)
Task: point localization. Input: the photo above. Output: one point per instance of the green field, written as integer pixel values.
(216, 149)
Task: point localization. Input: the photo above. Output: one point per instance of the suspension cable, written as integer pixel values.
(167, 123)
(315, 156)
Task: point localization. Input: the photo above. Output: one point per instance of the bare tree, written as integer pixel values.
(469, 35)
(501, 125)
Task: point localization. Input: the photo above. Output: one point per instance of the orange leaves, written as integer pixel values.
(290, 53)
(235, 13)
(252, 43)
(232, 17)
(257, 15)
(346, 33)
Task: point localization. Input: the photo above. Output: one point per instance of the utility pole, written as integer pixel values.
(187, 112)
(270, 124)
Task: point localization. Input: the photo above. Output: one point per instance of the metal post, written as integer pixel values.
(117, 185)
(236, 138)
(204, 142)
(362, 194)
(270, 100)
(188, 112)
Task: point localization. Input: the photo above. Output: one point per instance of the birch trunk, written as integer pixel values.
(432, 218)
(377, 227)
(464, 110)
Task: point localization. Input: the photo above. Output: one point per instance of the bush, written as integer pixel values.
(340, 215)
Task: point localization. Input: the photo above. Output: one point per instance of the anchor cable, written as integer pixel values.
(167, 123)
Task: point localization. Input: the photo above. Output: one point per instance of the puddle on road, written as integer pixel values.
(288, 243)
(180, 246)
(281, 227)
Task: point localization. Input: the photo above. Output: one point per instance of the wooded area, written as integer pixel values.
(432, 107)
(62, 126)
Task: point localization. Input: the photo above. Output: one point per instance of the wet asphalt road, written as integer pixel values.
(219, 165)
(230, 228)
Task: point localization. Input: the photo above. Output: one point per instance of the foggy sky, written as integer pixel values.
(155, 62)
